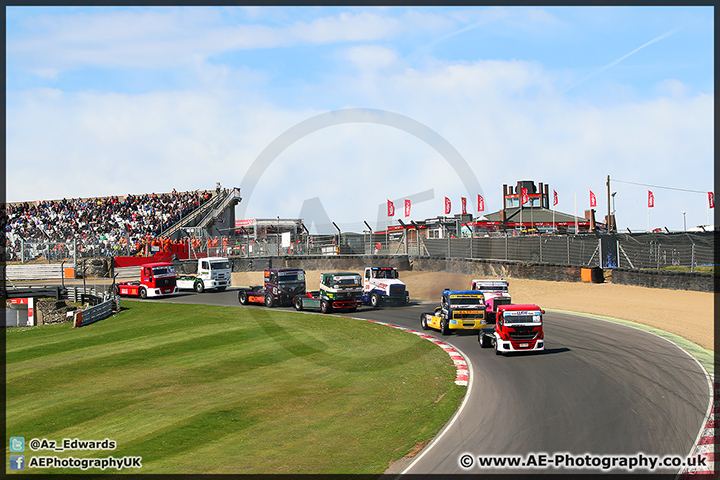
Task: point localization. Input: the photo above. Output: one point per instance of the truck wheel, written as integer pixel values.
(444, 327)
(423, 321)
(199, 286)
(297, 303)
(484, 340)
(325, 307)
(374, 300)
(269, 301)
(242, 297)
(142, 292)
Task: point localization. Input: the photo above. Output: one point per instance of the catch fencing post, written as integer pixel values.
(568, 248)
(692, 258)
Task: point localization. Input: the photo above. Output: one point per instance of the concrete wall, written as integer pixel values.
(702, 282)
(493, 268)
(320, 262)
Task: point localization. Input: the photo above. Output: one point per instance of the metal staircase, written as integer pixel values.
(206, 214)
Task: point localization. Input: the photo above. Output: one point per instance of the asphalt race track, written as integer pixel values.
(599, 388)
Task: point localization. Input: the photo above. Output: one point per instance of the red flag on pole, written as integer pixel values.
(463, 202)
(481, 203)
(407, 207)
(651, 199)
(593, 200)
(711, 199)
(524, 198)
(555, 199)
(391, 209)
(447, 206)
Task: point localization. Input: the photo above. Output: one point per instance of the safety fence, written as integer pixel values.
(634, 251)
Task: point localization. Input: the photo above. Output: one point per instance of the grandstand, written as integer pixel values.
(108, 226)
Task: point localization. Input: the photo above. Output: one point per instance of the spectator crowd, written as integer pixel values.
(102, 226)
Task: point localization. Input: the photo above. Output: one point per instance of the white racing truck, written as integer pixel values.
(496, 293)
(381, 286)
(212, 273)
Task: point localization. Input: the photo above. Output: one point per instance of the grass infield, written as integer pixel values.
(201, 389)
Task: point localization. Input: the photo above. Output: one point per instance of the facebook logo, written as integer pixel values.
(17, 444)
(17, 462)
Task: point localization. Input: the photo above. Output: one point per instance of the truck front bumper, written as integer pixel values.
(520, 345)
(343, 304)
(162, 291)
(217, 283)
(466, 324)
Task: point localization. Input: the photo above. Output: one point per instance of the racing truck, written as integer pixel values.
(518, 328)
(496, 294)
(212, 272)
(381, 286)
(156, 280)
(280, 286)
(458, 310)
(338, 291)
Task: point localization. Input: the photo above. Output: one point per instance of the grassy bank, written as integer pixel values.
(199, 389)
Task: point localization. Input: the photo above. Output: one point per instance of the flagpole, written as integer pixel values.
(576, 222)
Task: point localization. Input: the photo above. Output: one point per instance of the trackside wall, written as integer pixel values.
(702, 282)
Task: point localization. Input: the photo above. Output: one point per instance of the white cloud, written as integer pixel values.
(370, 57)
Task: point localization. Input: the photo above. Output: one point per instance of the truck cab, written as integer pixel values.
(280, 286)
(496, 294)
(212, 273)
(518, 328)
(382, 286)
(156, 280)
(458, 310)
(338, 291)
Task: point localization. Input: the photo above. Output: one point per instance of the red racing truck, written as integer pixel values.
(156, 280)
(518, 328)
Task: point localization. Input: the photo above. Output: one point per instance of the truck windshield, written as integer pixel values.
(522, 317)
(491, 288)
(466, 301)
(344, 282)
(163, 270)
(219, 265)
(289, 277)
(386, 274)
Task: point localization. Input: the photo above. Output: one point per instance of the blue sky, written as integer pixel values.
(109, 101)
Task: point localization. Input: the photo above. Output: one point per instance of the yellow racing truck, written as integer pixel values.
(458, 310)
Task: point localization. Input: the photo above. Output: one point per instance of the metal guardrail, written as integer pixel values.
(34, 272)
(81, 294)
(34, 291)
(82, 318)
